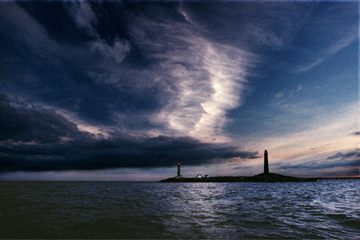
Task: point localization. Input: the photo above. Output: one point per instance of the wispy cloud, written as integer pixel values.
(204, 78)
(116, 52)
(279, 95)
(83, 16)
(278, 24)
(339, 35)
(25, 29)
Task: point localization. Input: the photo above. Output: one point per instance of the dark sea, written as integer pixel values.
(328, 209)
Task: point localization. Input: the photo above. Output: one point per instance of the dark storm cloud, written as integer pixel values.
(37, 139)
(355, 133)
(67, 56)
(345, 156)
(118, 152)
(349, 159)
(322, 165)
(32, 123)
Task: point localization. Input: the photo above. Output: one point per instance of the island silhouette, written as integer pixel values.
(266, 176)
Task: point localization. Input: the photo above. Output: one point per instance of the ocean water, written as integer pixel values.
(328, 209)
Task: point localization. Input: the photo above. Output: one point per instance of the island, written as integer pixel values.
(266, 176)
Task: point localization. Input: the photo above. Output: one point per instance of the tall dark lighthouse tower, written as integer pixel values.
(266, 162)
(179, 170)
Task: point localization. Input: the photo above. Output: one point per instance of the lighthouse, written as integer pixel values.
(266, 162)
(178, 175)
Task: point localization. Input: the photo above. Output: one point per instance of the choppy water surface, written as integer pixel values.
(325, 209)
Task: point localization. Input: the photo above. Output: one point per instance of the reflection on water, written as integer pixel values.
(325, 209)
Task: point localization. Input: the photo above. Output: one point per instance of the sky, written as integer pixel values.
(124, 90)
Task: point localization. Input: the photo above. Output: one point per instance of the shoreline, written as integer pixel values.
(263, 177)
